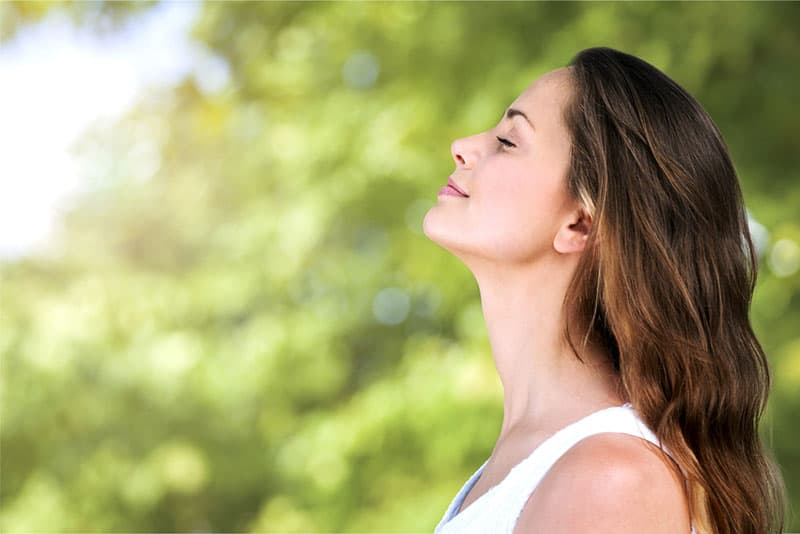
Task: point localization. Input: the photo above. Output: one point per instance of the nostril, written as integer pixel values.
(456, 150)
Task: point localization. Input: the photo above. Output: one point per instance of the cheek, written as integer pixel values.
(522, 198)
(516, 212)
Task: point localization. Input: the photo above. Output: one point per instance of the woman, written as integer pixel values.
(603, 221)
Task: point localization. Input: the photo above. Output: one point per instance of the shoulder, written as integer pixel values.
(609, 482)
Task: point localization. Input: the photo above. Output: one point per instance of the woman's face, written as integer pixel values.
(517, 199)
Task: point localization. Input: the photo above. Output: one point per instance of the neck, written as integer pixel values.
(543, 381)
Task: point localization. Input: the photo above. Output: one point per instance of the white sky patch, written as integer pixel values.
(55, 80)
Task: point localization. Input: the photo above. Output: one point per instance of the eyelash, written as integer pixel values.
(505, 142)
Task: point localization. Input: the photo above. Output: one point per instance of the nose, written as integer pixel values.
(462, 155)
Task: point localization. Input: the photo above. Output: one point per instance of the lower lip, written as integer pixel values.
(447, 190)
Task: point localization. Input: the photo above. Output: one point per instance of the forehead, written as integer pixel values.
(544, 99)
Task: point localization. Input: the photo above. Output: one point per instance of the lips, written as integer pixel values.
(454, 185)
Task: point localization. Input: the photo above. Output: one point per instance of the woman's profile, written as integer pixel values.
(603, 221)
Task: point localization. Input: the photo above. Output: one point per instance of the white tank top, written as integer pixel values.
(497, 510)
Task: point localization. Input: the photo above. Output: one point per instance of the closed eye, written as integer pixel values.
(505, 142)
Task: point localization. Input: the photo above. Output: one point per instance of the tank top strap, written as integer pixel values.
(616, 419)
(499, 508)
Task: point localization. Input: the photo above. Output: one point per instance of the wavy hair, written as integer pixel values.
(666, 279)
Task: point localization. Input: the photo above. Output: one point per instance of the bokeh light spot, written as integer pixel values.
(784, 257)
(391, 306)
(360, 71)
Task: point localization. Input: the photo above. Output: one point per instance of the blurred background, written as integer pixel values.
(219, 311)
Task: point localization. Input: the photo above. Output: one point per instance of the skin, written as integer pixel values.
(521, 236)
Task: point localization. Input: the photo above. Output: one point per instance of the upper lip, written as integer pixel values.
(454, 185)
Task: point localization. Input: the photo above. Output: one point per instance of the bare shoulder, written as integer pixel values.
(609, 482)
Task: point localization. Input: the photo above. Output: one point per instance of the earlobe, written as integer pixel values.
(573, 237)
(567, 241)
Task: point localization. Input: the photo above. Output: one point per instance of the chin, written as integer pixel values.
(439, 235)
(429, 225)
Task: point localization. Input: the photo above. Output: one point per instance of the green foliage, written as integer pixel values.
(242, 327)
(99, 15)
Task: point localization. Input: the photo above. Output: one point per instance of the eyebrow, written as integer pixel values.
(512, 112)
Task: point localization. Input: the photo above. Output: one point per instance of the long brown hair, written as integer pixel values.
(666, 279)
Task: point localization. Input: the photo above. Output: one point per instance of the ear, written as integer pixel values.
(572, 236)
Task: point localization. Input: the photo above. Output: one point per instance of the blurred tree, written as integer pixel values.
(99, 15)
(242, 327)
